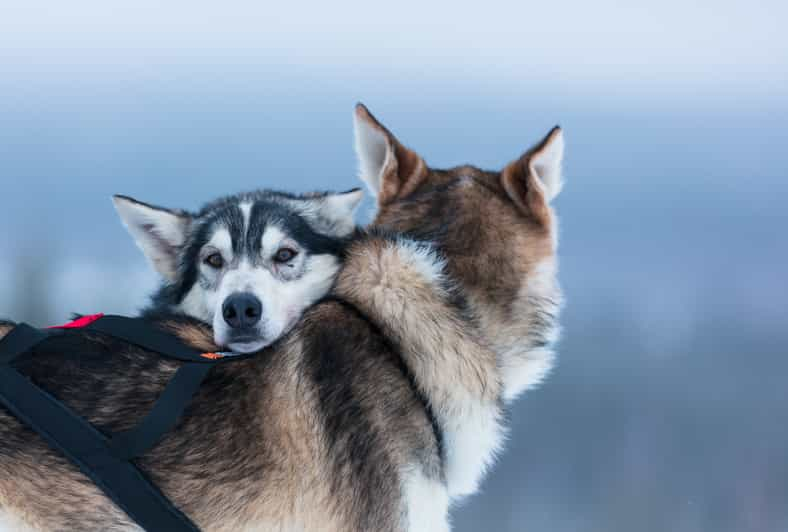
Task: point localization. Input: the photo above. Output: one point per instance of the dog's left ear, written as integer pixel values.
(389, 169)
(160, 233)
(340, 210)
(535, 179)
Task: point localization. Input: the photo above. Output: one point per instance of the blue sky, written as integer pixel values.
(671, 47)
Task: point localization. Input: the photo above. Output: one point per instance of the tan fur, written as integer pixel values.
(198, 336)
(384, 281)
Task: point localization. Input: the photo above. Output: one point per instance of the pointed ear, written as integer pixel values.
(340, 209)
(158, 232)
(535, 179)
(389, 169)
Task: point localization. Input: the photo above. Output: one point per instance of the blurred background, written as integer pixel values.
(668, 409)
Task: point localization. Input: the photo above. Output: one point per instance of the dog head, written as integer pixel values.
(496, 230)
(248, 264)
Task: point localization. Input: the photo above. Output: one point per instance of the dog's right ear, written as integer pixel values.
(535, 179)
(389, 169)
(158, 232)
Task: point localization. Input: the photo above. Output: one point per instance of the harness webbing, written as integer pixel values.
(107, 460)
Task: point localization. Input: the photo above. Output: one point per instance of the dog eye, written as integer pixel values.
(285, 255)
(214, 260)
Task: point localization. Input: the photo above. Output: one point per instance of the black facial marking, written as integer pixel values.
(293, 225)
(232, 218)
(190, 268)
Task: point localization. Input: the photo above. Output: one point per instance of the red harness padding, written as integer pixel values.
(78, 323)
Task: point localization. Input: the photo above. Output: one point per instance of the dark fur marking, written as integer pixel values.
(352, 439)
(401, 365)
(342, 359)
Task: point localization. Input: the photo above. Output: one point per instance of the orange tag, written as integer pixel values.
(212, 356)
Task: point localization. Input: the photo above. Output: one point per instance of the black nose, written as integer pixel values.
(242, 310)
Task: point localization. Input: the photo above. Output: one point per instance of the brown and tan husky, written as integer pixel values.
(381, 406)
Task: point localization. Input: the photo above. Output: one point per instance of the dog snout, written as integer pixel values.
(242, 310)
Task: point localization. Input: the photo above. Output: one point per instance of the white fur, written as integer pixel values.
(341, 208)
(195, 304)
(522, 365)
(10, 523)
(246, 212)
(423, 257)
(524, 369)
(222, 241)
(338, 209)
(427, 503)
(473, 434)
(272, 239)
(157, 232)
(546, 164)
(372, 150)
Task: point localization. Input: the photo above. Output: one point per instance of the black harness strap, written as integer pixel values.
(120, 479)
(142, 334)
(19, 340)
(108, 461)
(164, 415)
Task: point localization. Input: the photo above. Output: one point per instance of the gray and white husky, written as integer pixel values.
(248, 264)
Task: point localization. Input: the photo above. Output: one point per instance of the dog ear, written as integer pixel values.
(340, 209)
(535, 179)
(389, 169)
(158, 232)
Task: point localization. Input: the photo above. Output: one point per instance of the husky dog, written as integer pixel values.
(379, 408)
(247, 264)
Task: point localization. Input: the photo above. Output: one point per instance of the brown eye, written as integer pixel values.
(285, 255)
(214, 260)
